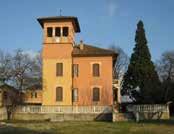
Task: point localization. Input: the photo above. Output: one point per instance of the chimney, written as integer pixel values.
(81, 45)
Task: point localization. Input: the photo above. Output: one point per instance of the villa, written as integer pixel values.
(73, 74)
(76, 78)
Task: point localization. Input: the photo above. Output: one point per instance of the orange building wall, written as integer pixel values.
(57, 52)
(85, 81)
(32, 100)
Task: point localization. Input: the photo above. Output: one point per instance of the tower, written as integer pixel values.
(58, 39)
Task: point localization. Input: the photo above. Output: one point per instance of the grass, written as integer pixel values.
(20, 127)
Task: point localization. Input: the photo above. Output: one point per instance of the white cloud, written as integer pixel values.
(112, 7)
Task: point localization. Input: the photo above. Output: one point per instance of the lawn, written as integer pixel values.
(163, 127)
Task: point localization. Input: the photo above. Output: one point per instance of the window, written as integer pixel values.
(59, 94)
(35, 95)
(65, 31)
(96, 94)
(49, 31)
(57, 32)
(96, 70)
(75, 95)
(75, 70)
(32, 95)
(59, 69)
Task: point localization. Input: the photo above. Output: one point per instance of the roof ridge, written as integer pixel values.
(90, 50)
(96, 47)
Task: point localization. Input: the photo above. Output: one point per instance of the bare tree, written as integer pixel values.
(20, 69)
(165, 68)
(5, 66)
(22, 66)
(122, 62)
(15, 100)
(11, 98)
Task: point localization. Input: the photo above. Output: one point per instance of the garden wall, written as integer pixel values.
(62, 117)
(63, 113)
(150, 112)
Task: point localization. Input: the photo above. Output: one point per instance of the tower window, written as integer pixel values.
(75, 70)
(96, 94)
(57, 32)
(59, 69)
(75, 95)
(96, 70)
(49, 31)
(59, 94)
(65, 31)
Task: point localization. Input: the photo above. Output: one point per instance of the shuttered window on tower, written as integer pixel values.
(59, 69)
(59, 94)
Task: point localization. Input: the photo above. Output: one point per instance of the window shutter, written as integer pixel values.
(96, 94)
(59, 69)
(96, 70)
(59, 94)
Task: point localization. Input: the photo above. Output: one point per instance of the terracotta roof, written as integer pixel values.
(90, 51)
(35, 87)
(8, 87)
(59, 18)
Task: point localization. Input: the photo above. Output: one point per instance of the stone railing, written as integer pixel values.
(151, 108)
(149, 111)
(64, 109)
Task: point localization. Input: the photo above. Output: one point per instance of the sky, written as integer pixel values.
(102, 23)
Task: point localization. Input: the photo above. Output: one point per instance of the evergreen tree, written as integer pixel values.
(141, 81)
